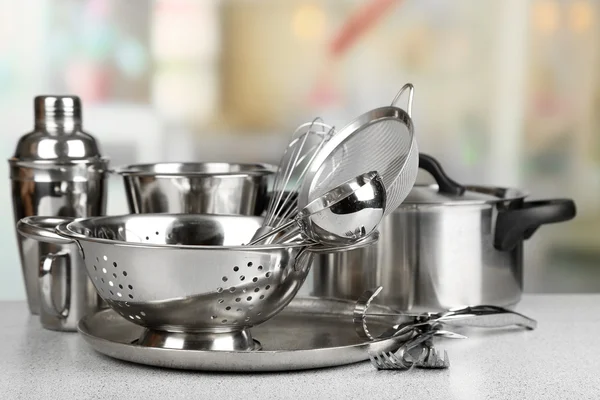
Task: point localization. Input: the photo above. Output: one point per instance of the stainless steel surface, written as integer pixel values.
(56, 170)
(344, 215)
(442, 257)
(197, 188)
(307, 334)
(305, 144)
(189, 273)
(345, 274)
(67, 294)
(380, 140)
(439, 255)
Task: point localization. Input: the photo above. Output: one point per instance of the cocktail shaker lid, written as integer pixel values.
(58, 136)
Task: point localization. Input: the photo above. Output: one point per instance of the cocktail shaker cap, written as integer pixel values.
(58, 136)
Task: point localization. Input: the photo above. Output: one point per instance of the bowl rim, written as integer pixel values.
(148, 169)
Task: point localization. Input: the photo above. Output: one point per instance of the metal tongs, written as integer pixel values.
(416, 331)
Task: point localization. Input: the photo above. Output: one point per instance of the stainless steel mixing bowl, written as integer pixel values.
(189, 274)
(197, 188)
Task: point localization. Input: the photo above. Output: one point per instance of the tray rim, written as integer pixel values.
(236, 361)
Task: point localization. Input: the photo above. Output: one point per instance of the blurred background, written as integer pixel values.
(507, 93)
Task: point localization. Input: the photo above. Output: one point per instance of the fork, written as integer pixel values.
(384, 361)
(397, 360)
(432, 359)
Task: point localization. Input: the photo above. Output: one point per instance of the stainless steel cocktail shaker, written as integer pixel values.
(56, 170)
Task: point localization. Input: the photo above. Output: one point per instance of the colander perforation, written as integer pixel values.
(236, 306)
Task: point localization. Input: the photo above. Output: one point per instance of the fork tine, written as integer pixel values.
(389, 361)
(423, 356)
(382, 362)
(446, 359)
(432, 359)
(400, 360)
(394, 360)
(374, 362)
(435, 360)
(427, 361)
(379, 362)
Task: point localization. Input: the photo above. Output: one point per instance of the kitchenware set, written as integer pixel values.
(203, 274)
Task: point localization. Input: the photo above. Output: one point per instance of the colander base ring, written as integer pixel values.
(223, 341)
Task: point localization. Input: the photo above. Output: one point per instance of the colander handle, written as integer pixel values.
(411, 92)
(46, 280)
(31, 228)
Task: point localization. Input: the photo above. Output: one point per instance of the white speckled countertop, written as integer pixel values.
(559, 360)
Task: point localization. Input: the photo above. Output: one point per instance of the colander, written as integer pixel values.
(186, 277)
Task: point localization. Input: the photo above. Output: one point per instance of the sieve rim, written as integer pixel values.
(339, 138)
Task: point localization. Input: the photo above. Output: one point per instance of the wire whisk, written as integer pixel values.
(305, 143)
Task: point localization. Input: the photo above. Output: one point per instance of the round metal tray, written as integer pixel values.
(309, 333)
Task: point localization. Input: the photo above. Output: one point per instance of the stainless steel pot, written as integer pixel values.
(446, 246)
(197, 188)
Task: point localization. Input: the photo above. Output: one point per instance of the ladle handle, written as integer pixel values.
(271, 233)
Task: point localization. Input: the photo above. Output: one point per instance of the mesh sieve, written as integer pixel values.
(381, 140)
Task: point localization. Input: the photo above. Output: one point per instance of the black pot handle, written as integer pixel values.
(514, 226)
(444, 182)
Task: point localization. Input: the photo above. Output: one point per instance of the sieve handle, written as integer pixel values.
(46, 280)
(411, 91)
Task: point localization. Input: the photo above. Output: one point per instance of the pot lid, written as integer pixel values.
(57, 136)
(448, 192)
(431, 194)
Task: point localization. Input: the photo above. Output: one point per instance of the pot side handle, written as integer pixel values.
(513, 226)
(445, 183)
